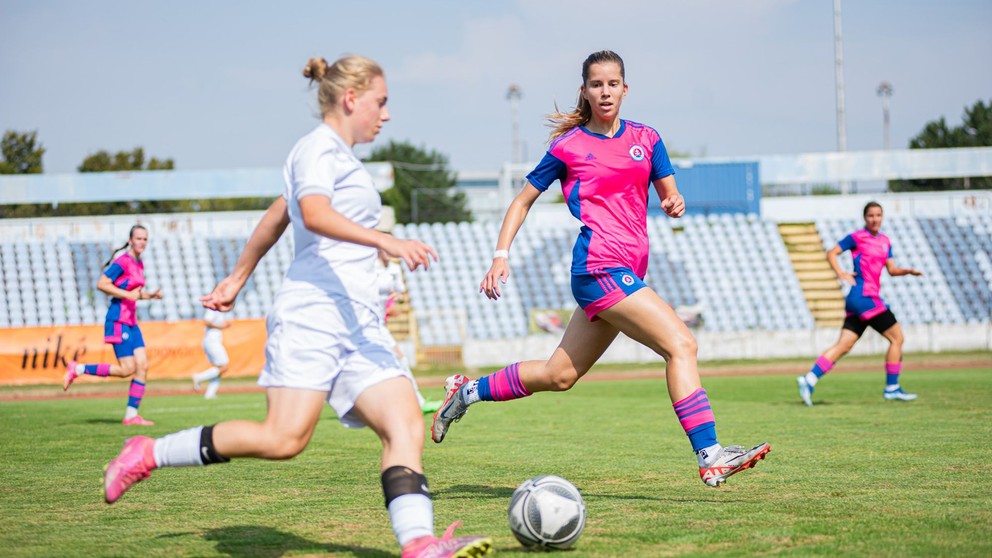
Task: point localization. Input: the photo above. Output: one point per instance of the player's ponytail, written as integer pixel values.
(130, 234)
(562, 122)
(349, 72)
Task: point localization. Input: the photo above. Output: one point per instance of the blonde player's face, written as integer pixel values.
(873, 220)
(139, 241)
(604, 90)
(370, 111)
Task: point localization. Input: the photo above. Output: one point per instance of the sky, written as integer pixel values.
(218, 84)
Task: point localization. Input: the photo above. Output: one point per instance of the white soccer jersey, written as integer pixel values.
(213, 335)
(321, 163)
(390, 279)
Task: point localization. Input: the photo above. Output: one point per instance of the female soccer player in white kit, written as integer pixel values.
(213, 345)
(326, 341)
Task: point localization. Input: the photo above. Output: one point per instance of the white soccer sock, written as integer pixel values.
(208, 374)
(180, 449)
(893, 387)
(470, 392)
(212, 388)
(130, 412)
(706, 456)
(811, 379)
(412, 516)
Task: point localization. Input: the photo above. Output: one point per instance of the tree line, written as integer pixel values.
(423, 188)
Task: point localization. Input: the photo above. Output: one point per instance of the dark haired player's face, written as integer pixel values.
(139, 241)
(873, 219)
(370, 111)
(604, 89)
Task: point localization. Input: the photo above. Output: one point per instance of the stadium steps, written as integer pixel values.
(400, 323)
(818, 282)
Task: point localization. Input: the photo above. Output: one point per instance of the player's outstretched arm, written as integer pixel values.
(895, 271)
(266, 234)
(499, 271)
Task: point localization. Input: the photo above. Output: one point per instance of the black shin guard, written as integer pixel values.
(398, 481)
(208, 454)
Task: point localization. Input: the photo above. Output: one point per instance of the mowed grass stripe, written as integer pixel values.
(853, 475)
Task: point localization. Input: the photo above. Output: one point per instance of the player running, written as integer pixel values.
(123, 280)
(326, 342)
(872, 251)
(213, 345)
(605, 165)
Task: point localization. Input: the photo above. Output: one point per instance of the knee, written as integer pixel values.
(685, 346)
(562, 379)
(129, 369)
(285, 447)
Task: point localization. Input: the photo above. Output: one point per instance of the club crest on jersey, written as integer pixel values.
(637, 153)
(627, 279)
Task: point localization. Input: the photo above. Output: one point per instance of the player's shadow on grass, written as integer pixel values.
(103, 421)
(474, 491)
(266, 542)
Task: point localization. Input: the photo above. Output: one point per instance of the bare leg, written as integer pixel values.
(843, 345)
(649, 320)
(390, 409)
(581, 346)
(289, 423)
(895, 337)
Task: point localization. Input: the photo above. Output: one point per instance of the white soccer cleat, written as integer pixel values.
(805, 391)
(452, 409)
(731, 460)
(898, 395)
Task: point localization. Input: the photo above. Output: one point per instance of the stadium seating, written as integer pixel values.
(734, 269)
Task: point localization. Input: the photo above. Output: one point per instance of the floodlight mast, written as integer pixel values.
(839, 80)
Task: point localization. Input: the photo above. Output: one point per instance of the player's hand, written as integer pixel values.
(915, 272)
(223, 296)
(847, 278)
(156, 294)
(498, 273)
(673, 206)
(414, 252)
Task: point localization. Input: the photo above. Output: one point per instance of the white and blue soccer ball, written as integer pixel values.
(547, 511)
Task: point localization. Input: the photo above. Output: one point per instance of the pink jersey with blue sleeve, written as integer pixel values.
(870, 253)
(605, 182)
(127, 273)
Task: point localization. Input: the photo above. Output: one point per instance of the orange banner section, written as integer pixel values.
(39, 355)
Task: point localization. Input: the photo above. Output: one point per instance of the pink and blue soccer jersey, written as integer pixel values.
(127, 273)
(605, 182)
(870, 252)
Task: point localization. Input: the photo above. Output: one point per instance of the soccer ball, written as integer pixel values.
(547, 511)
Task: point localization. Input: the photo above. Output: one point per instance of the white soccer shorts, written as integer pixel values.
(216, 353)
(316, 344)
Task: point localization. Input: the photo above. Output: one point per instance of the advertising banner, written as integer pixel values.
(39, 355)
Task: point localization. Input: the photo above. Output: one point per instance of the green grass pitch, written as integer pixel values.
(852, 476)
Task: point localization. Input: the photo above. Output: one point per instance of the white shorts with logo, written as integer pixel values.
(316, 344)
(216, 353)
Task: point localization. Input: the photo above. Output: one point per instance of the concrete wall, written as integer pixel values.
(755, 344)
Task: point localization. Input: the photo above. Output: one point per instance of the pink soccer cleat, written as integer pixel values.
(70, 375)
(134, 464)
(136, 420)
(448, 546)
